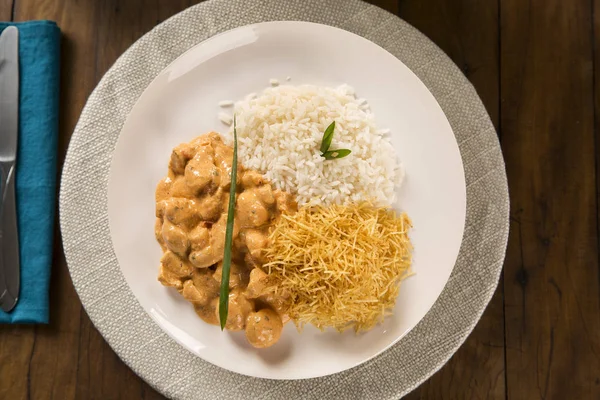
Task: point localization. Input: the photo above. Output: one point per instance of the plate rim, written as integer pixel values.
(289, 24)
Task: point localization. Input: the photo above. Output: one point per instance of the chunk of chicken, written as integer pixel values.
(201, 289)
(258, 283)
(285, 202)
(203, 278)
(180, 156)
(251, 262)
(252, 179)
(265, 195)
(208, 313)
(175, 238)
(158, 233)
(263, 328)
(279, 301)
(250, 209)
(178, 266)
(238, 275)
(224, 161)
(199, 237)
(206, 139)
(239, 308)
(163, 189)
(179, 188)
(213, 253)
(180, 211)
(167, 278)
(210, 207)
(256, 242)
(201, 174)
(207, 256)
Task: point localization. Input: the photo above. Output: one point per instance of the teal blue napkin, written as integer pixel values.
(39, 58)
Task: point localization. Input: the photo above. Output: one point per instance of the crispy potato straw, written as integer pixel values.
(341, 264)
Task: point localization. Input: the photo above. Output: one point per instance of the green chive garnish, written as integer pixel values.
(326, 142)
(335, 154)
(224, 294)
(327, 137)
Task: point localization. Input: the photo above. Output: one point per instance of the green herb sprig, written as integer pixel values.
(326, 143)
(327, 138)
(333, 154)
(224, 293)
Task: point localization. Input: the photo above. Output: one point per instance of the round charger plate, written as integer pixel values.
(147, 349)
(182, 103)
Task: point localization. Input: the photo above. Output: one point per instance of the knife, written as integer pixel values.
(9, 118)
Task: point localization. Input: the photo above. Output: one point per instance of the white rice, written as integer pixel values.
(225, 118)
(280, 132)
(226, 103)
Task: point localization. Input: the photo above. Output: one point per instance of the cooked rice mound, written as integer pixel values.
(280, 133)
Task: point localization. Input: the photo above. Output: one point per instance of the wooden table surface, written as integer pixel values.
(535, 65)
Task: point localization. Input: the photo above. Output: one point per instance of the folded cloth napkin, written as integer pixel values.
(39, 57)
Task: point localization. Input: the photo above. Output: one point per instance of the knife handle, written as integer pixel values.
(9, 243)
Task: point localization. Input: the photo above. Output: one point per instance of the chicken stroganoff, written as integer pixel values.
(191, 215)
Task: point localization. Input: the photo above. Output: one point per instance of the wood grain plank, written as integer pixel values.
(596, 61)
(388, 5)
(596, 74)
(51, 370)
(6, 10)
(16, 347)
(551, 273)
(467, 30)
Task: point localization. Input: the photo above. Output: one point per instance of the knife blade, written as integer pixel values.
(9, 118)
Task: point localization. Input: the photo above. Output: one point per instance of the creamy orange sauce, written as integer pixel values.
(191, 219)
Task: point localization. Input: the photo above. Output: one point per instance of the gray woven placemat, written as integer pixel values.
(170, 368)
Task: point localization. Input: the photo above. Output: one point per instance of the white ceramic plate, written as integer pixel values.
(181, 103)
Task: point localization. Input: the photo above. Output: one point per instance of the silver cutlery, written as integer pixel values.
(9, 117)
